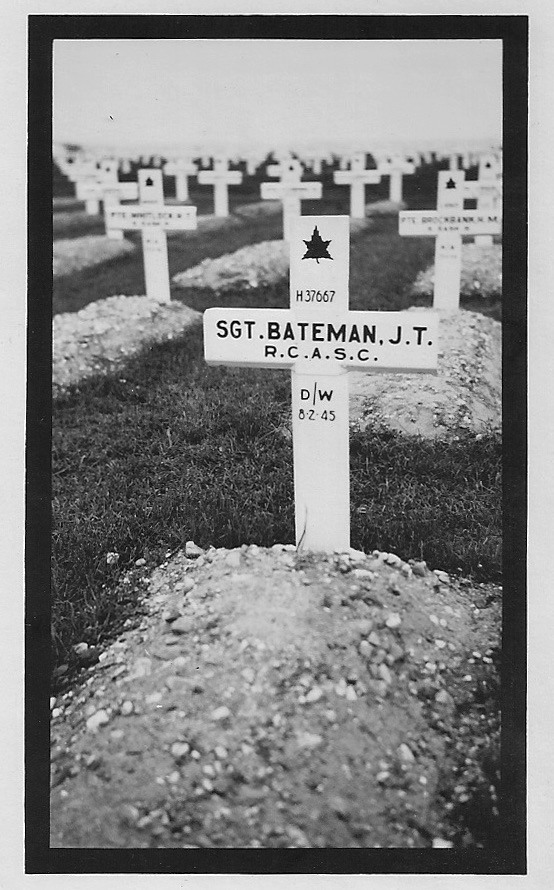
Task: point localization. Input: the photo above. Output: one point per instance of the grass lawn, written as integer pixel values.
(169, 449)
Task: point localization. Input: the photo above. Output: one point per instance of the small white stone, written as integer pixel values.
(308, 739)
(192, 550)
(441, 842)
(314, 695)
(220, 714)
(405, 753)
(248, 674)
(233, 559)
(394, 620)
(127, 708)
(98, 719)
(220, 752)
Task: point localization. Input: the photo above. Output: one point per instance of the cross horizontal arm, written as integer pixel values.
(347, 177)
(429, 222)
(151, 217)
(278, 190)
(280, 339)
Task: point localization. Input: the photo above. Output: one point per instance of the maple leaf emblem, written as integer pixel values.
(149, 181)
(450, 184)
(317, 248)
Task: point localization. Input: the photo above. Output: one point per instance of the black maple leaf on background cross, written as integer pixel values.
(317, 248)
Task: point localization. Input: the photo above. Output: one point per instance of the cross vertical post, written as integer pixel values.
(181, 169)
(489, 191)
(220, 177)
(357, 178)
(321, 446)
(154, 241)
(448, 245)
(153, 219)
(319, 340)
(396, 167)
(448, 223)
(290, 191)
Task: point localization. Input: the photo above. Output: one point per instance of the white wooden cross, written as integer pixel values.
(448, 223)
(320, 340)
(487, 189)
(153, 219)
(290, 191)
(220, 177)
(252, 162)
(357, 178)
(181, 169)
(103, 185)
(315, 162)
(396, 167)
(453, 159)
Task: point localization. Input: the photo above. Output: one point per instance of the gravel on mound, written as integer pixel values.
(384, 208)
(251, 266)
(481, 272)
(103, 334)
(73, 254)
(465, 394)
(258, 209)
(270, 698)
(67, 202)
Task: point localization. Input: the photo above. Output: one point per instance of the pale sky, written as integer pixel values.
(273, 92)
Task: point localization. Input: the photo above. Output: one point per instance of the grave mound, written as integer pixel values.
(72, 254)
(105, 333)
(251, 266)
(384, 208)
(270, 698)
(257, 209)
(481, 273)
(464, 395)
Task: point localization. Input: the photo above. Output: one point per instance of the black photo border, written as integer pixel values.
(510, 858)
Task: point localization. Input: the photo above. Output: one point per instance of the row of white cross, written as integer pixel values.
(447, 224)
(94, 184)
(318, 339)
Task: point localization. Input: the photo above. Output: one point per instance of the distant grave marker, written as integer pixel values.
(290, 191)
(319, 340)
(103, 185)
(396, 167)
(453, 161)
(252, 162)
(181, 169)
(357, 178)
(487, 189)
(221, 178)
(154, 220)
(448, 223)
